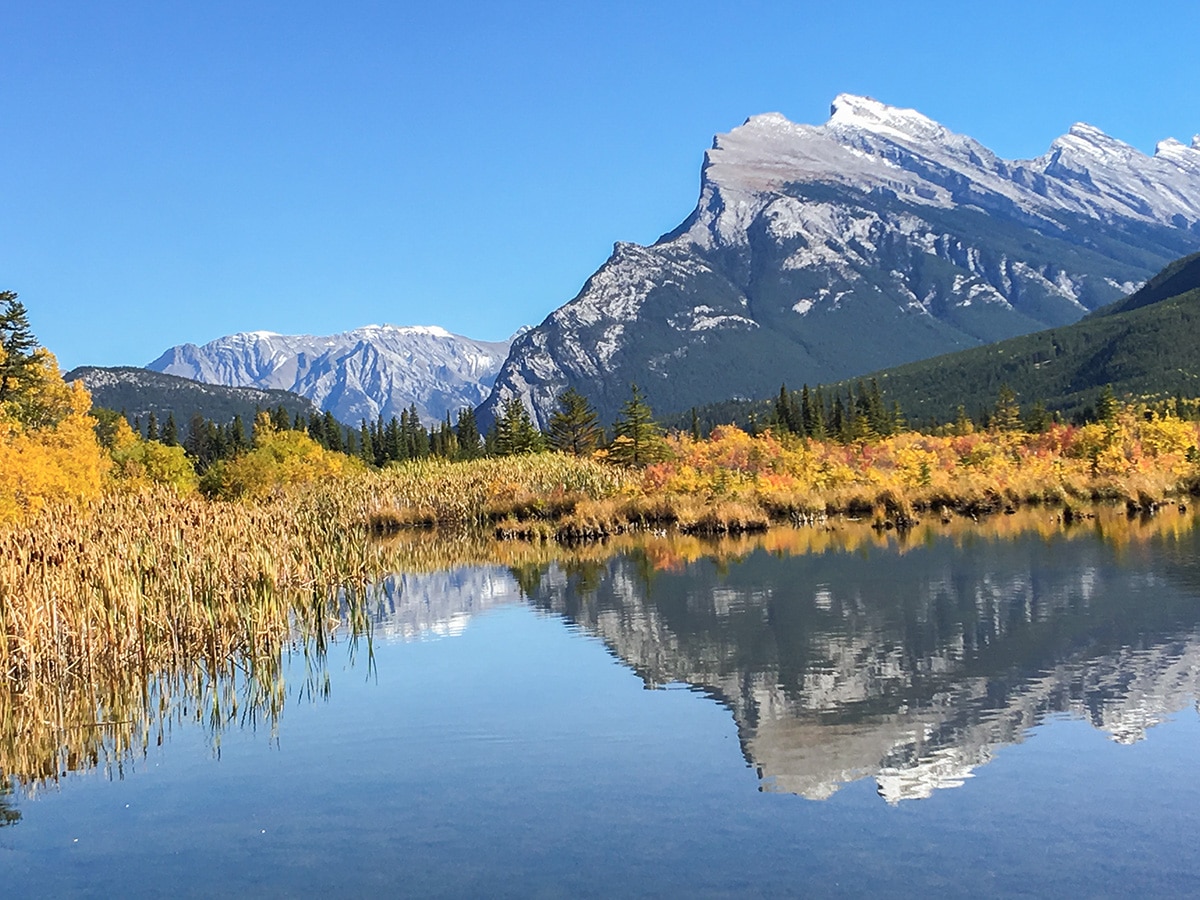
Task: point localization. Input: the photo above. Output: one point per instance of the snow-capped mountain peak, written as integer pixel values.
(819, 252)
(849, 110)
(359, 374)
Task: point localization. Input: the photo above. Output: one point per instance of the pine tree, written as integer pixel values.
(1107, 406)
(170, 431)
(470, 445)
(366, 445)
(962, 424)
(812, 413)
(237, 435)
(1038, 419)
(574, 426)
(839, 422)
(638, 438)
(18, 349)
(393, 444)
(279, 419)
(333, 433)
(515, 432)
(1007, 414)
(152, 427)
(316, 427)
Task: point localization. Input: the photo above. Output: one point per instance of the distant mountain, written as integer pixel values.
(821, 252)
(140, 392)
(360, 374)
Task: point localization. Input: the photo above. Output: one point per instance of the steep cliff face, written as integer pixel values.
(360, 374)
(821, 252)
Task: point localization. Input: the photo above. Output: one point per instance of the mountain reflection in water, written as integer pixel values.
(843, 653)
(909, 663)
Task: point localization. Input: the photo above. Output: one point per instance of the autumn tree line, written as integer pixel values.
(54, 445)
(573, 428)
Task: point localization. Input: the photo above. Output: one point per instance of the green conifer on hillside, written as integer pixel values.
(638, 438)
(574, 426)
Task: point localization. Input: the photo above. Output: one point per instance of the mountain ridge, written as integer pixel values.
(375, 370)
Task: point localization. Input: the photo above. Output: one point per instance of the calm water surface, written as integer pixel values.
(959, 715)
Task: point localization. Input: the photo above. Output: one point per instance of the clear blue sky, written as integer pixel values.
(173, 172)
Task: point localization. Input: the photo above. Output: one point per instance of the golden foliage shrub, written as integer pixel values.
(138, 463)
(279, 459)
(48, 446)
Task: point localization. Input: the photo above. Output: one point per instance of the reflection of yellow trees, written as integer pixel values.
(428, 551)
(48, 449)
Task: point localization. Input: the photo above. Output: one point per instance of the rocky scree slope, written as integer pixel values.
(817, 253)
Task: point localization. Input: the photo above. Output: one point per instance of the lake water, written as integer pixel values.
(812, 712)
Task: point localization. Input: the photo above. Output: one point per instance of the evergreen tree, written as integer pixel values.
(1038, 419)
(1107, 406)
(447, 439)
(415, 437)
(574, 426)
(170, 431)
(152, 427)
(470, 445)
(515, 432)
(237, 435)
(333, 433)
(316, 427)
(962, 424)
(637, 437)
(280, 419)
(839, 422)
(393, 443)
(18, 349)
(812, 413)
(788, 413)
(1007, 414)
(695, 425)
(366, 446)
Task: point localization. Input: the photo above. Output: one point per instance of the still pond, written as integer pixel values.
(1001, 710)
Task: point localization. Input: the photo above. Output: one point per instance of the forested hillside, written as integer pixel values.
(1143, 346)
(141, 392)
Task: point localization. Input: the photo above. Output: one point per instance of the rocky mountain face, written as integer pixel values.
(360, 374)
(817, 253)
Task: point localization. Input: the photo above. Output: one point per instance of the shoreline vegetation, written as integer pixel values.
(733, 482)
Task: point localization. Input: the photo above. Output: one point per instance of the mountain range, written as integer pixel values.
(815, 253)
(822, 252)
(360, 374)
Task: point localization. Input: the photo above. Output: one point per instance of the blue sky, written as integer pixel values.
(176, 172)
